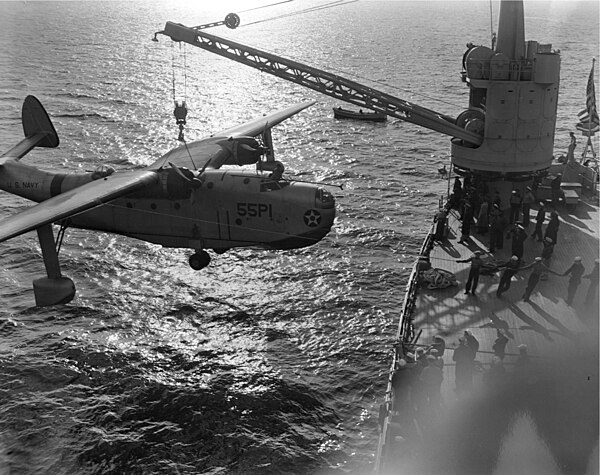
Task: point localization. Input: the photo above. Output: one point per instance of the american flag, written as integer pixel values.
(588, 117)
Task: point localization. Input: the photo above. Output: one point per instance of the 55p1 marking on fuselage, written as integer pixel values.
(186, 199)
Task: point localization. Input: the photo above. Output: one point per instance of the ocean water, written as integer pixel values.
(265, 362)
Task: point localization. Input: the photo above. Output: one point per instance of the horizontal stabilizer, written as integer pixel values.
(38, 129)
(75, 201)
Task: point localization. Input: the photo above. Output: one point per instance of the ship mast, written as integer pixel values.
(513, 99)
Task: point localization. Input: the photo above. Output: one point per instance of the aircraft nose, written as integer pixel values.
(319, 218)
(324, 212)
(317, 213)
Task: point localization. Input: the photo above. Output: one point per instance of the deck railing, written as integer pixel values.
(405, 335)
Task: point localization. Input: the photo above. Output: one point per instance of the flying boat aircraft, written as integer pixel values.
(188, 198)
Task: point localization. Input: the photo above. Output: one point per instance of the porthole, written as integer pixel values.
(246, 181)
(153, 206)
(210, 184)
(238, 221)
(176, 206)
(129, 205)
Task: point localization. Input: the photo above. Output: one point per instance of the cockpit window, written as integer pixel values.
(324, 199)
(268, 184)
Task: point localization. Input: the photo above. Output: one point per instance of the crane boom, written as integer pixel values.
(321, 81)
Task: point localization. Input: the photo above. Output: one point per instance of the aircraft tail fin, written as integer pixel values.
(38, 129)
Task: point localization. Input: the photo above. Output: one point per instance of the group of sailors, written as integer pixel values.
(417, 380)
(473, 197)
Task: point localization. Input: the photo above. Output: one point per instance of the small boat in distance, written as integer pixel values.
(373, 116)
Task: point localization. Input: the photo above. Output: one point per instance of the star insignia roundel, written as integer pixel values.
(312, 218)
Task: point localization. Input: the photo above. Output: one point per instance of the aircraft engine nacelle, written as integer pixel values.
(242, 150)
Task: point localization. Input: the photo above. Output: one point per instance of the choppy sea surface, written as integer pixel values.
(265, 362)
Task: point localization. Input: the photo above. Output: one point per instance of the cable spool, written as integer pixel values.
(472, 120)
(232, 20)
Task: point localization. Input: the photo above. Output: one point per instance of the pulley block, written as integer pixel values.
(232, 20)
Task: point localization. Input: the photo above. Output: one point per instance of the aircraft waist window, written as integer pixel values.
(102, 171)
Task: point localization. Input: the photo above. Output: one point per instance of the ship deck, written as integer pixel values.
(543, 323)
(546, 323)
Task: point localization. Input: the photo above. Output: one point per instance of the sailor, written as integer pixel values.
(518, 238)
(277, 172)
(464, 356)
(467, 220)
(440, 225)
(540, 217)
(438, 345)
(473, 278)
(573, 138)
(546, 255)
(592, 291)
(523, 367)
(497, 199)
(576, 270)
(471, 341)
(496, 228)
(440, 361)
(401, 384)
(482, 218)
(537, 181)
(515, 205)
(420, 360)
(456, 196)
(555, 189)
(537, 267)
(571, 149)
(528, 200)
(552, 228)
(431, 380)
(511, 267)
(496, 375)
(499, 345)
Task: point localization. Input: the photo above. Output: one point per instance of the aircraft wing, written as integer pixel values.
(75, 201)
(208, 153)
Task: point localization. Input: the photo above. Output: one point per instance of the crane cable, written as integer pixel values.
(180, 111)
(265, 6)
(335, 3)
